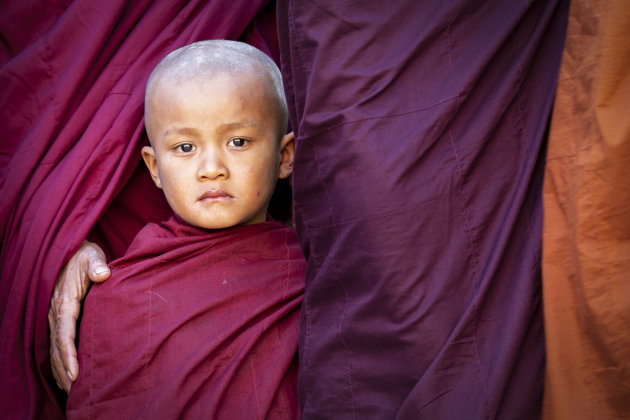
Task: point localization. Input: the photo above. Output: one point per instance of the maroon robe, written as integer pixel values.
(195, 323)
(72, 77)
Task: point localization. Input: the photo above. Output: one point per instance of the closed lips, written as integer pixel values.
(214, 194)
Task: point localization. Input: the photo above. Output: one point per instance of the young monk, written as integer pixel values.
(200, 317)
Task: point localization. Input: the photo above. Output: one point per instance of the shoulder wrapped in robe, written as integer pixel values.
(194, 323)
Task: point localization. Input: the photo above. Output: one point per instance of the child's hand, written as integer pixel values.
(86, 266)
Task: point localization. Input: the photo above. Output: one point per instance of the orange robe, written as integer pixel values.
(586, 236)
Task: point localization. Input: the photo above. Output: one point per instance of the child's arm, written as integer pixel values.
(86, 266)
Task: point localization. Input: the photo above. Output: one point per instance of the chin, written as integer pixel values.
(208, 224)
(217, 226)
(218, 222)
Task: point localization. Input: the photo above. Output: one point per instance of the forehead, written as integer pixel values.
(225, 95)
(235, 83)
(171, 85)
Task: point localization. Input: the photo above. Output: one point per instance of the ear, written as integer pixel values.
(287, 153)
(148, 154)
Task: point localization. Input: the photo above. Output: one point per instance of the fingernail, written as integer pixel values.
(69, 374)
(100, 270)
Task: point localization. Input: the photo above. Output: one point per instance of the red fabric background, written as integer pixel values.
(71, 106)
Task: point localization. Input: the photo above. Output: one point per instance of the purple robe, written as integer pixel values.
(420, 133)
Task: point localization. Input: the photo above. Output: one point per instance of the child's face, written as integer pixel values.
(215, 150)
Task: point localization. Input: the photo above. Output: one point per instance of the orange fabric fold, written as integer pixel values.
(586, 235)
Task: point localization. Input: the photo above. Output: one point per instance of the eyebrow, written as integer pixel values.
(185, 131)
(238, 124)
(188, 131)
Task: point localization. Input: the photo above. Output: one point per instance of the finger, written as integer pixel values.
(66, 333)
(98, 271)
(58, 371)
(64, 313)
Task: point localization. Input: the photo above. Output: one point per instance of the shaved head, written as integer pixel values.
(205, 60)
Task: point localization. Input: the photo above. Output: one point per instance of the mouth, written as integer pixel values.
(212, 195)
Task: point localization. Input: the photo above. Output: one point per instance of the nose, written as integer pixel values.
(212, 165)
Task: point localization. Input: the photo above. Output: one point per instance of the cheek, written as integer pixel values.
(259, 173)
(172, 179)
(260, 176)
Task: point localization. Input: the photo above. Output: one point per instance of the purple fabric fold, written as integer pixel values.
(420, 133)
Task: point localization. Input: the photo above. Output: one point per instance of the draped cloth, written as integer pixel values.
(420, 132)
(194, 323)
(586, 236)
(71, 106)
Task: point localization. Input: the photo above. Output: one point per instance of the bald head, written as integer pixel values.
(205, 60)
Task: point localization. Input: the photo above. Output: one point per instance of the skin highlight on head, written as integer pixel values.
(205, 60)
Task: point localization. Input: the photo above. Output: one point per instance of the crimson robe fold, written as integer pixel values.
(73, 75)
(194, 323)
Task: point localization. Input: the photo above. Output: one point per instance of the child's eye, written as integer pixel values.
(185, 148)
(238, 142)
